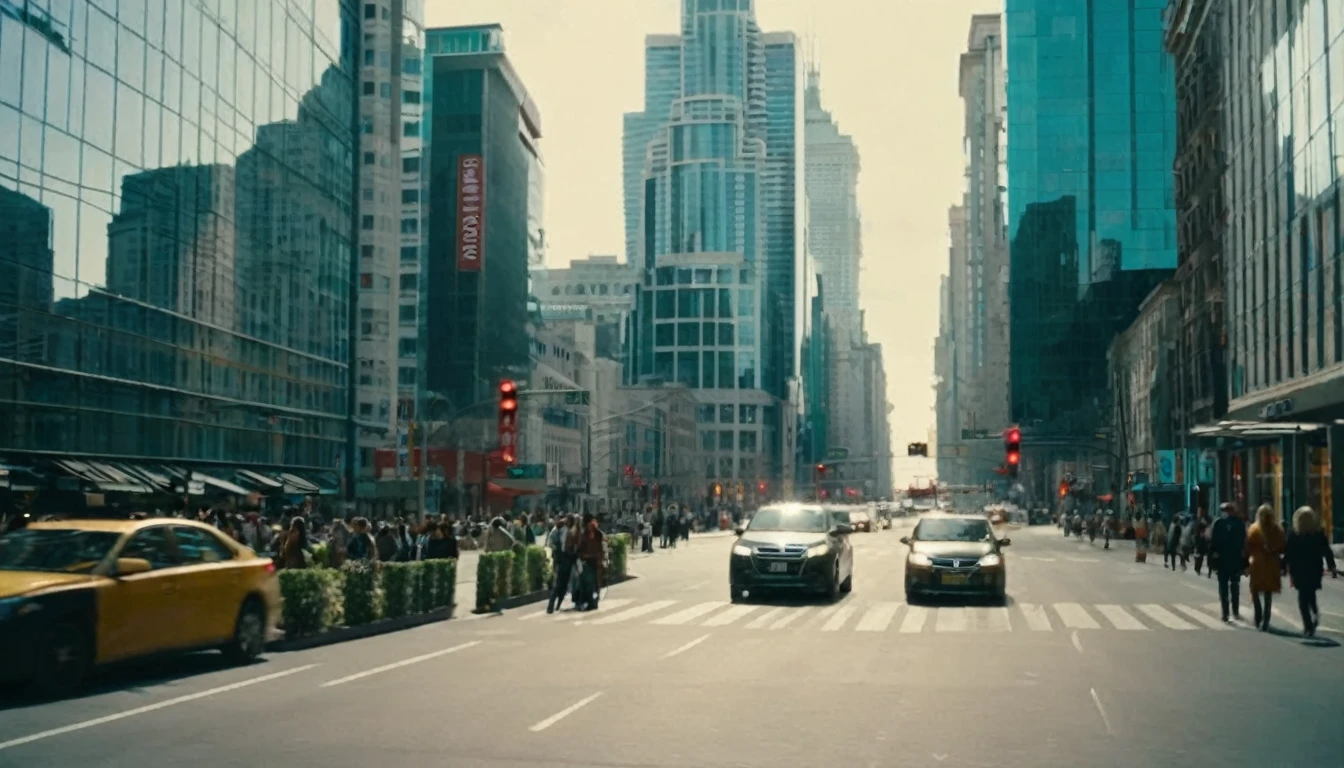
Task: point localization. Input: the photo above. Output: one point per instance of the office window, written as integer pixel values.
(410, 196)
(406, 376)
(407, 347)
(370, 88)
(411, 128)
(406, 314)
(366, 222)
(370, 11)
(370, 158)
(410, 97)
(366, 251)
(409, 282)
(410, 253)
(410, 165)
(410, 226)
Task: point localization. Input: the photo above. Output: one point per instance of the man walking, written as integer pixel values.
(1226, 545)
(564, 544)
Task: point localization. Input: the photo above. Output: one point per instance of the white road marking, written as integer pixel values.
(686, 647)
(729, 616)
(533, 615)
(950, 620)
(765, 618)
(1333, 613)
(1164, 617)
(478, 616)
(878, 617)
(636, 612)
(697, 585)
(1037, 619)
(914, 619)
(399, 664)
(562, 714)
(150, 708)
(1077, 643)
(1201, 617)
(839, 618)
(792, 615)
(1106, 721)
(1082, 559)
(686, 614)
(990, 620)
(604, 607)
(1075, 617)
(1119, 617)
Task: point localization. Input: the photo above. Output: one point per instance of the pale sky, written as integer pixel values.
(889, 76)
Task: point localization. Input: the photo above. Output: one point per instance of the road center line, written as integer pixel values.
(399, 664)
(562, 714)
(686, 647)
(1102, 711)
(151, 707)
(1078, 644)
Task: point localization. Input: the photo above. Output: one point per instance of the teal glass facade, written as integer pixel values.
(176, 220)
(1091, 139)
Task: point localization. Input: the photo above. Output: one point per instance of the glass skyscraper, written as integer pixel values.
(703, 245)
(176, 220)
(1091, 137)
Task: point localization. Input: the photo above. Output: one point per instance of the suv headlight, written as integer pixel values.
(741, 550)
(818, 550)
(991, 559)
(919, 558)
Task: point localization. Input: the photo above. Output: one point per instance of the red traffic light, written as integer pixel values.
(507, 387)
(1014, 457)
(760, 487)
(821, 468)
(508, 405)
(1013, 435)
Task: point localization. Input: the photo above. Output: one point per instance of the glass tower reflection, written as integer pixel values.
(175, 189)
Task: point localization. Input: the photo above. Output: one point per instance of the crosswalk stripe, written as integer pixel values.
(636, 612)
(1037, 619)
(729, 616)
(760, 622)
(839, 618)
(1164, 617)
(790, 617)
(687, 614)
(878, 617)
(914, 619)
(1119, 617)
(991, 620)
(950, 620)
(1075, 617)
(1201, 617)
(533, 615)
(603, 608)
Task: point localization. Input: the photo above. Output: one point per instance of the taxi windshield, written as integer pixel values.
(952, 530)
(792, 520)
(67, 550)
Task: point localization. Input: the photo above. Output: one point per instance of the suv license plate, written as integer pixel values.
(954, 578)
(779, 567)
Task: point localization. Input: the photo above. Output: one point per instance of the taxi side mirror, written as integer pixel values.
(1005, 542)
(842, 529)
(905, 540)
(129, 566)
(739, 529)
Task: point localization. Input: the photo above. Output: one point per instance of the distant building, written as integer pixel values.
(482, 166)
(600, 284)
(26, 291)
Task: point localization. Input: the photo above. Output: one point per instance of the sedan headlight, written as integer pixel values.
(919, 558)
(818, 550)
(990, 560)
(741, 550)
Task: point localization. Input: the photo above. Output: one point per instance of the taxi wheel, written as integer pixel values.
(848, 585)
(63, 659)
(833, 590)
(249, 633)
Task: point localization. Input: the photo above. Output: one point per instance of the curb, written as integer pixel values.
(537, 597)
(372, 629)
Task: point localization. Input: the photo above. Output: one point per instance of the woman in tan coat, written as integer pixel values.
(1264, 549)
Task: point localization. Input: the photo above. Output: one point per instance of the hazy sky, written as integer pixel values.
(889, 75)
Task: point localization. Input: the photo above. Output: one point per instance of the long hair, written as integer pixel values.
(1265, 518)
(1305, 520)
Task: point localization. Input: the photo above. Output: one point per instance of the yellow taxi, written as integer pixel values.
(77, 594)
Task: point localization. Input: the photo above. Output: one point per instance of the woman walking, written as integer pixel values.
(1264, 548)
(1307, 547)
(297, 552)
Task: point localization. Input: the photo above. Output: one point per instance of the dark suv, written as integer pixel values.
(791, 548)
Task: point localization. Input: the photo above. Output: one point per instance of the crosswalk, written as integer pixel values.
(895, 616)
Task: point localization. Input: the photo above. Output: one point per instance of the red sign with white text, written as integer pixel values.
(470, 212)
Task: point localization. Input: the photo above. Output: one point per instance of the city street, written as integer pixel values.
(1095, 661)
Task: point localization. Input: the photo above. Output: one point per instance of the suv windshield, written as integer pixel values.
(800, 520)
(953, 530)
(65, 551)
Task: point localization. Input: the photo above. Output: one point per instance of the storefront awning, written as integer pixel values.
(1253, 430)
(261, 481)
(220, 484)
(297, 485)
(102, 476)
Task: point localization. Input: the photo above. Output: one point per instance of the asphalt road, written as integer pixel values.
(1096, 661)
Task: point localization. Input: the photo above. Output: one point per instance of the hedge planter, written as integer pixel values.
(618, 548)
(494, 574)
(538, 567)
(399, 588)
(518, 578)
(363, 595)
(313, 600)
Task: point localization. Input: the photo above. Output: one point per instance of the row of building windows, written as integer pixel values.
(722, 440)
(709, 413)
(595, 289)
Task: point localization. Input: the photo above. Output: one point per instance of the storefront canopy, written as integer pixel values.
(1253, 431)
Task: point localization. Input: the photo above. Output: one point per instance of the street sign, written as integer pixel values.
(576, 398)
(975, 434)
(527, 472)
(837, 453)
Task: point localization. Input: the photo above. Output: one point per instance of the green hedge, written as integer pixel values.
(494, 574)
(538, 569)
(312, 598)
(399, 588)
(618, 544)
(518, 575)
(363, 593)
(439, 585)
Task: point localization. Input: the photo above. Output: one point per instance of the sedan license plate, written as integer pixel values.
(954, 578)
(779, 567)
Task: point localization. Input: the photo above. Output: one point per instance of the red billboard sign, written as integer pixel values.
(470, 212)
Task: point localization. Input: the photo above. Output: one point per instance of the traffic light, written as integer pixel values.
(508, 421)
(1012, 449)
(917, 449)
(760, 487)
(821, 470)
